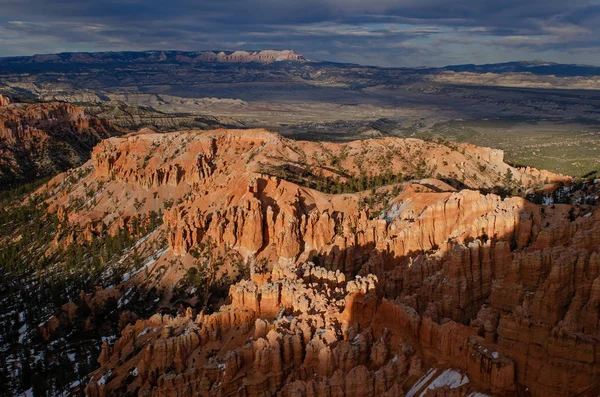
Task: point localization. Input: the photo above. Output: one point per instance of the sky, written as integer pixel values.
(372, 32)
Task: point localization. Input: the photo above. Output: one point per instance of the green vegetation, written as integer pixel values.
(208, 279)
(342, 183)
(22, 190)
(40, 276)
(567, 148)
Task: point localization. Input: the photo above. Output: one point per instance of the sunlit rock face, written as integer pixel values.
(4, 101)
(406, 286)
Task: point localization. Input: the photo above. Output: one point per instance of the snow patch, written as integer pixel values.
(150, 261)
(450, 378)
(109, 339)
(22, 333)
(27, 393)
(144, 332)
(124, 300)
(74, 384)
(421, 382)
(395, 211)
(146, 264)
(104, 378)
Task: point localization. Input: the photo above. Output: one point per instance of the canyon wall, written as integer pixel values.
(4, 101)
(38, 140)
(364, 293)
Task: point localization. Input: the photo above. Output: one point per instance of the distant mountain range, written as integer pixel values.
(542, 68)
(536, 67)
(263, 56)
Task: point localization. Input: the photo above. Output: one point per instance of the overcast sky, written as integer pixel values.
(374, 32)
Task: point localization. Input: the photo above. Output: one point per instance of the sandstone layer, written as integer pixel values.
(95, 58)
(244, 56)
(357, 294)
(39, 140)
(4, 101)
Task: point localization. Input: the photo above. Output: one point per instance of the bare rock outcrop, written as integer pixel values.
(285, 336)
(348, 296)
(265, 56)
(39, 140)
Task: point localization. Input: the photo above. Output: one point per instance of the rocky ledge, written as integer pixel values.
(411, 286)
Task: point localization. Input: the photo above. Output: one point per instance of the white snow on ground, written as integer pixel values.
(103, 379)
(91, 199)
(432, 380)
(22, 333)
(477, 394)
(395, 211)
(125, 255)
(27, 393)
(450, 378)
(109, 339)
(125, 298)
(44, 322)
(495, 354)
(146, 264)
(8, 314)
(153, 258)
(38, 356)
(144, 332)
(422, 382)
(135, 372)
(140, 241)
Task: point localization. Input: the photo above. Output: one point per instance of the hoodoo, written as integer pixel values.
(391, 284)
(39, 140)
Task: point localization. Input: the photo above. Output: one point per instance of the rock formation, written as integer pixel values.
(378, 292)
(39, 140)
(4, 101)
(266, 56)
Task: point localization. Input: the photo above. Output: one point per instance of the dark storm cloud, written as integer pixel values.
(386, 32)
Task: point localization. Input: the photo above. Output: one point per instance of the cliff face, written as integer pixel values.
(4, 101)
(266, 56)
(357, 294)
(82, 58)
(39, 140)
